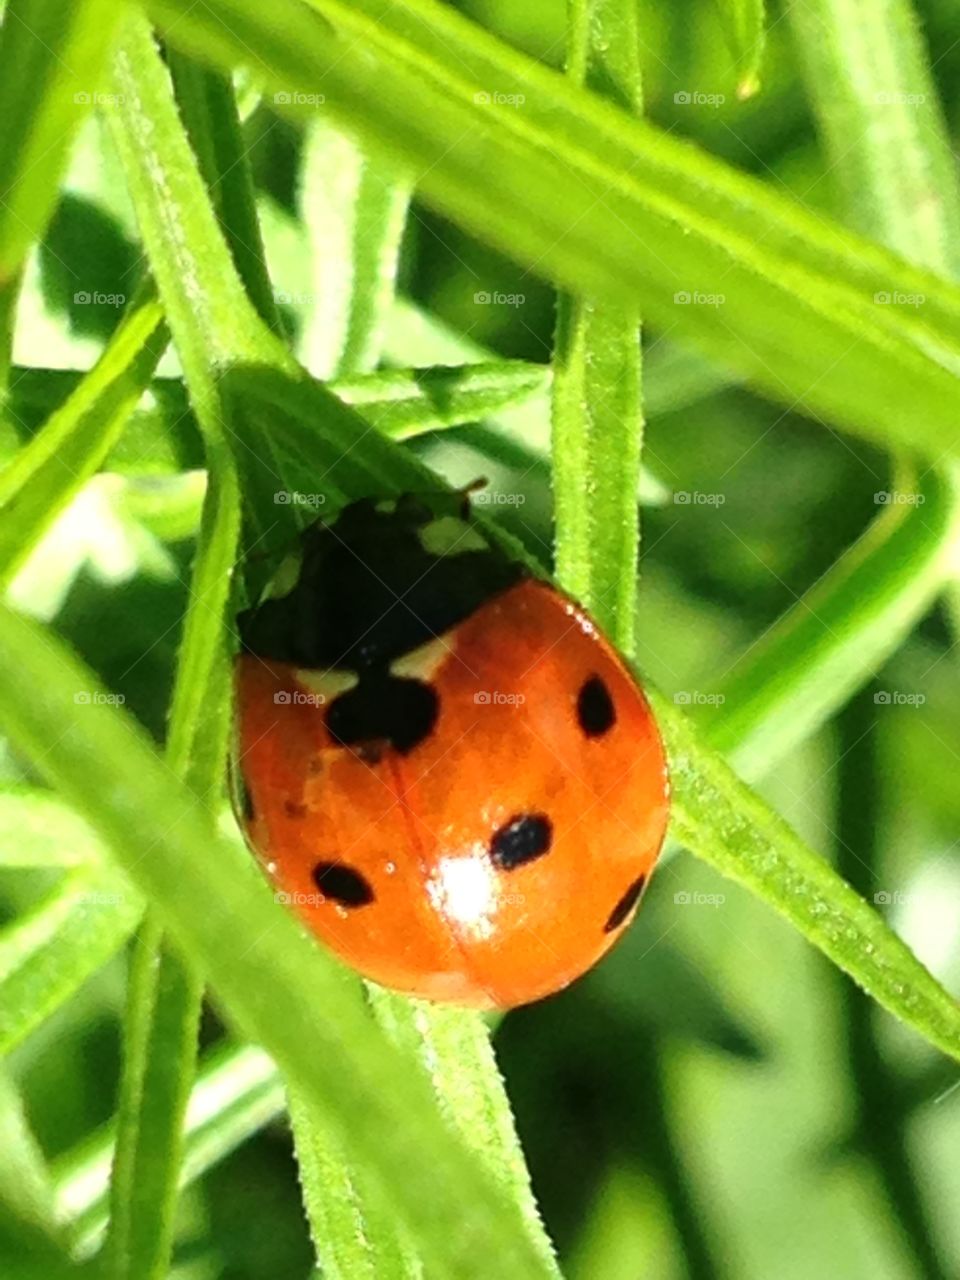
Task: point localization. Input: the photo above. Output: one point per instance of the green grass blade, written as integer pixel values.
(597, 410)
(786, 685)
(882, 126)
(48, 953)
(454, 1047)
(38, 830)
(354, 209)
(26, 1184)
(160, 1045)
(724, 822)
(403, 403)
(162, 436)
(209, 112)
(204, 300)
(51, 60)
(280, 989)
(744, 24)
(237, 1092)
(71, 447)
(625, 213)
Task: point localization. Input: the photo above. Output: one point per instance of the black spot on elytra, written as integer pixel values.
(383, 708)
(342, 884)
(625, 905)
(369, 592)
(595, 709)
(294, 809)
(523, 838)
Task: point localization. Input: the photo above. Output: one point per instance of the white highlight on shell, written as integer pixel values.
(464, 888)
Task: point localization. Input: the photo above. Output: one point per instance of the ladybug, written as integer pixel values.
(445, 768)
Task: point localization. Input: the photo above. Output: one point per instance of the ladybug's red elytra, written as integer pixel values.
(446, 769)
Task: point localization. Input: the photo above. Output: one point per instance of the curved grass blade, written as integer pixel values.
(139, 66)
(51, 61)
(210, 116)
(238, 1091)
(38, 830)
(721, 820)
(26, 1186)
(597, 410)
(785, 686)
(48, 953)
(70, 448)
(744, 24)
(623, 213)
(209, 894)
(354, 208)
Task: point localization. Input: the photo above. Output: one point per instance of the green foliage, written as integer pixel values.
(321, 192)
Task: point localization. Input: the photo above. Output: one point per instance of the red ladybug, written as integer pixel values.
(447, 771)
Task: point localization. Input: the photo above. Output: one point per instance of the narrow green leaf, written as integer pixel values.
(454, 1046)
(165, 994)
(881, 125)
(723, 821)
(160, 1045)
(51, 61)
(26, 1186)
(237, 1092)
(209, 111)
(810, 312)
(206, 307)
(38, 830)
(47, 954)
(744, 24)
(403, 403)
(597, 412)
(71, 447)
(161, 435)
(838, 633)
(280, 989)
(354, 209)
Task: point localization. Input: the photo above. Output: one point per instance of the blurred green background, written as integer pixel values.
(714, 1099)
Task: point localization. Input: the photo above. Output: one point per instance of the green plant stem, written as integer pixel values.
(878, 1125)
(51, 59)
(209, 110)
(73, 443)
(597, 409)
(624, 213)
(237, 1092)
